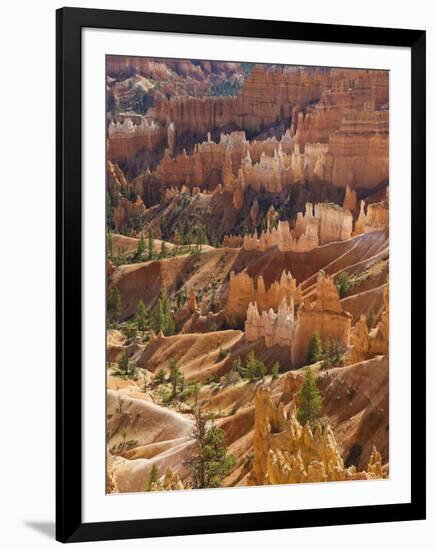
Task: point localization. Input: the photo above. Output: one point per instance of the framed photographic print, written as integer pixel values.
(240, 258)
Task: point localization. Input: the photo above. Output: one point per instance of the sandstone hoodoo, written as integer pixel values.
(323, 315)
(247, 216)
(285, 451)
(243, 290)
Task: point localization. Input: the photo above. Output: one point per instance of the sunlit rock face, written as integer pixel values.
(274, 328)
(324, 315)
(359, 149)
(374, 219)
(321, 224)
(287, 452)
(244, 290)
(330, 221)
(293, 327)
(126, 138)
(284, 238)
(346, 91)
(238, 196)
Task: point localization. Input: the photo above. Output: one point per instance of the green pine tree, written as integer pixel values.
(254, 369)
(371, 319)
(123, 362)
(141, 317)
(130, 330)
(344, 283)
(237, 365)
(149, 243)
(275, 370)
(334, 354)
(176, 378)
(164, 250)
(315, 349)
(141, 247)
(109, 245)
(310, 400)
(163, 311)
(181, 297)
(114, 304)
(160, 377)
(210, 462)
(153, 477)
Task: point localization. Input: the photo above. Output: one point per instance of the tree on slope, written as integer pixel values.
(315, 349)
(141, 247)
(141, 317)
(114, 304)
(149, 243)
(176, 378)
(210, 462)
(309, 399)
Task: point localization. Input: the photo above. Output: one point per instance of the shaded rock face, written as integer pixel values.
(359, 150)
(287, 452)
(134, 84)
(266, 97)
(350, 200)
(126, 211)
(115, 179)
(356, 400)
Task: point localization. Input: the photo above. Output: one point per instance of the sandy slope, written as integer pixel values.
(157, 434)
(355, 398)
(212, 267)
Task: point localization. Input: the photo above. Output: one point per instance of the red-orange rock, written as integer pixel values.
(287, 452)
(125, 139)
(127, 210)
(324, 315)
(243, 290)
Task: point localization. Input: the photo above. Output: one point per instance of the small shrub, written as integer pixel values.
(254, 368)
(334, 355)
(222, 354)
(351, 392)
(212, 379)
(371, 319)
(165, 394)
(160, 377)
(275, 370)
(344, 283)
(315, 349)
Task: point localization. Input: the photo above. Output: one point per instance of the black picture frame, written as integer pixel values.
(69, 24)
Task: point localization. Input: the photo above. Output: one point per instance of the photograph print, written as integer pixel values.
(247, 274)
